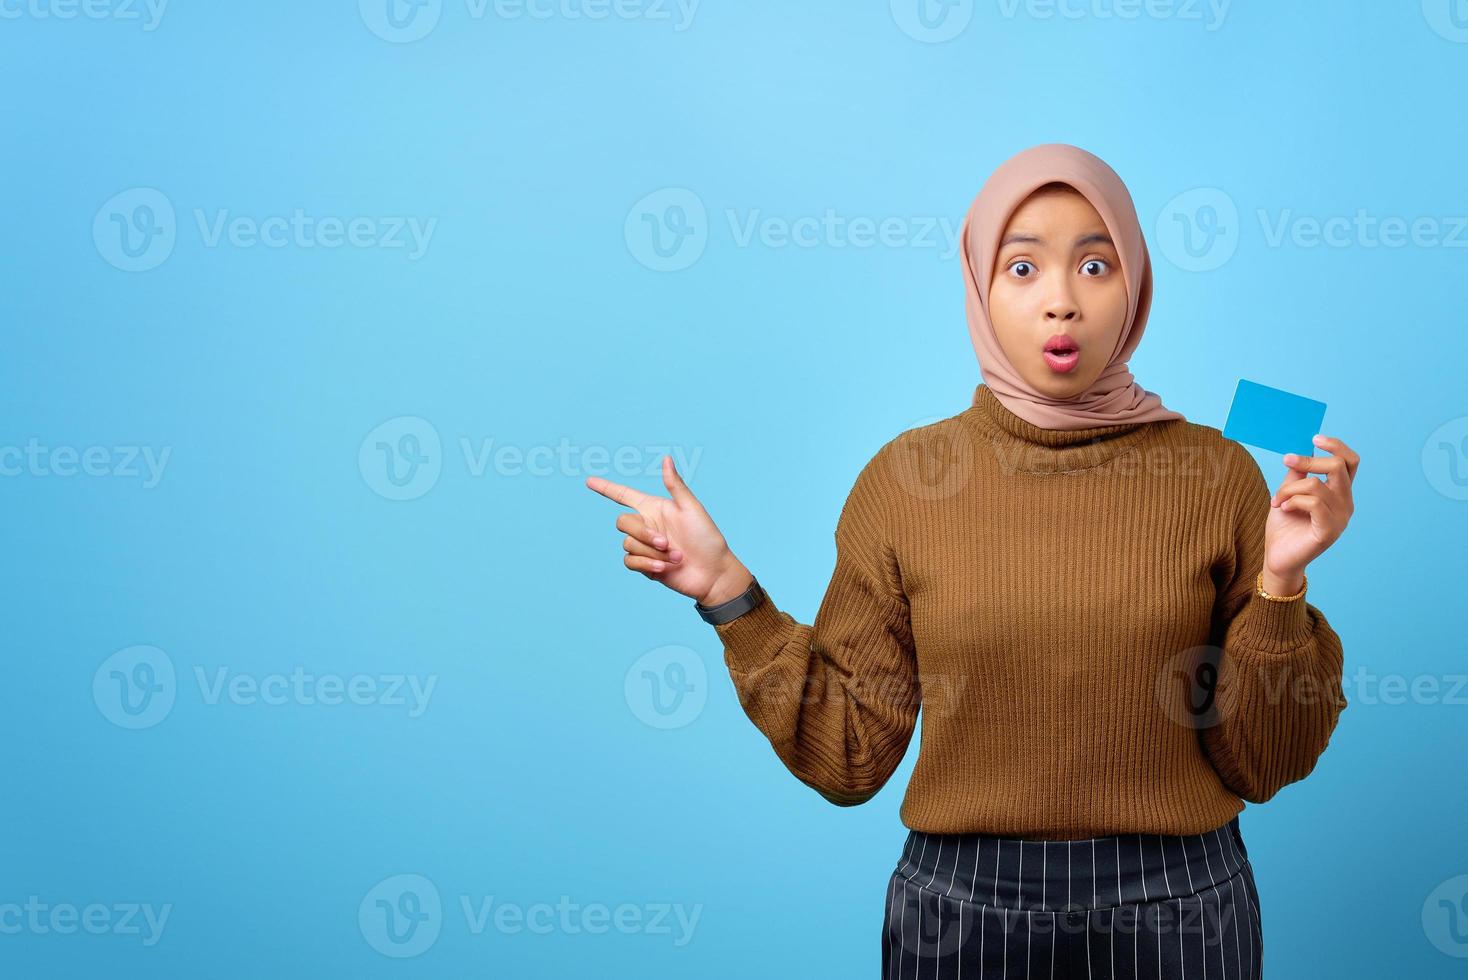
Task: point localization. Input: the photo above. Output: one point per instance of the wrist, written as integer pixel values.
(1283, 584)
(730, 582)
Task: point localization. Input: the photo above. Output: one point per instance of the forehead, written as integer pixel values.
(1054, 210)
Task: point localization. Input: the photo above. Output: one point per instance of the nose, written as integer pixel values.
(1060, 305)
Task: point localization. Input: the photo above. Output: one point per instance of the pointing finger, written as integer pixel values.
(624, 495)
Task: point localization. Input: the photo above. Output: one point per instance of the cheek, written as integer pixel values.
(1010, 310)
(1009, 304)
(1116, 308)
(1106, 306)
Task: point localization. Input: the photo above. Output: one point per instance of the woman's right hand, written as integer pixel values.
(673, 540)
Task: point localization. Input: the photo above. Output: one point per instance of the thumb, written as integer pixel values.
(679, 491)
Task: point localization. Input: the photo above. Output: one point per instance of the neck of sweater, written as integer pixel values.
(1036, 449)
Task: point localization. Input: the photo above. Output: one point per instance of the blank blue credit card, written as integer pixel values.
(1274, 419)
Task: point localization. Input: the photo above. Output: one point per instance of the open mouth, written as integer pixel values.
(1062, 353)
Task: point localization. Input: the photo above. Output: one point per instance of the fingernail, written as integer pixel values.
(1290, 457)
(1317, 439)
(676, 555)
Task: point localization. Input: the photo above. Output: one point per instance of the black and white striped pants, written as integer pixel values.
(1132, 906)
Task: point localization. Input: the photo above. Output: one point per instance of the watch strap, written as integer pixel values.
(734, 608)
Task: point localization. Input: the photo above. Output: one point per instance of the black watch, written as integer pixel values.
(734, 608)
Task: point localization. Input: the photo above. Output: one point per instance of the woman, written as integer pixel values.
(1097, 604)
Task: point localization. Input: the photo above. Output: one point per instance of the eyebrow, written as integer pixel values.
(1094, 239)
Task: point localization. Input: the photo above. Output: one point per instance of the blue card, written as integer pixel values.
(1273, 419)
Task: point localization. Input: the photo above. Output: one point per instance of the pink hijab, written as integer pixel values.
(1115, 396)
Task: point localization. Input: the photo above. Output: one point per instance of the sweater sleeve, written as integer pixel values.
(1278, 689)
(838, 699)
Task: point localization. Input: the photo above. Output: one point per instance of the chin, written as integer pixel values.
(1055, 385)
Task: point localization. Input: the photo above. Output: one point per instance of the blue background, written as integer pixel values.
(537, 315)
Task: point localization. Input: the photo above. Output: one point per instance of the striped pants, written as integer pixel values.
(1132, 906)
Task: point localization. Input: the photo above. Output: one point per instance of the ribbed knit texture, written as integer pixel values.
(1075, 612)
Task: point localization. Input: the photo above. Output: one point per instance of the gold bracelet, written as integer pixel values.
(1259, 586)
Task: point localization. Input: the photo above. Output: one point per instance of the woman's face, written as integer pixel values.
(1057, 300)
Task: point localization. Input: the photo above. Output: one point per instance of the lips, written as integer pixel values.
(1062, 343)
(1062, 353)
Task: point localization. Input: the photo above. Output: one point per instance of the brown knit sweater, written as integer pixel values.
(1076, 613)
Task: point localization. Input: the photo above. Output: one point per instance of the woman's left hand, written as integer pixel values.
(1307, 515)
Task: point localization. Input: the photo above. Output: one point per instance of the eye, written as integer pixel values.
(1025, 265)
(1091, 263)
